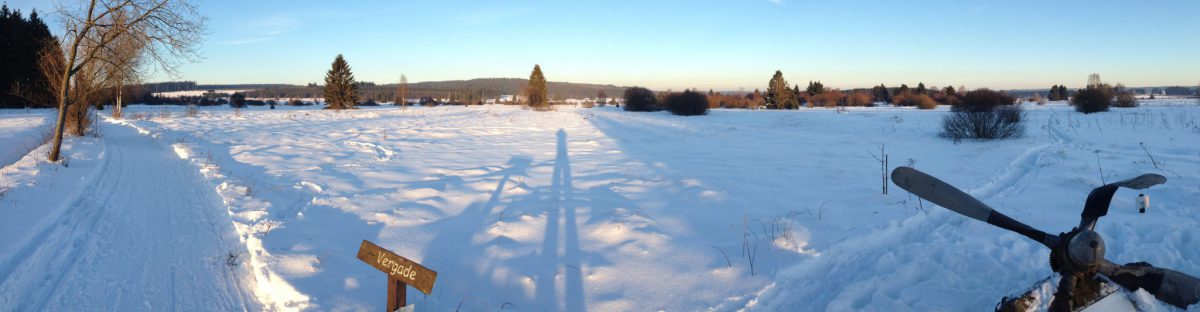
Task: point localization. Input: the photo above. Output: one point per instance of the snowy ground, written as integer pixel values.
(21, 131)
(581, 209)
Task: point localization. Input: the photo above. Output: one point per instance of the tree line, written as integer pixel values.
(22, 43)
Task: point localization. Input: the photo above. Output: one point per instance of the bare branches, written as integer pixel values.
(168, 31)
(107, 41)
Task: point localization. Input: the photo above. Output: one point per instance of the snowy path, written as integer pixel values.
(148, 234)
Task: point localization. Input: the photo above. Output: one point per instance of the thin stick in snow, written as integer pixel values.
(883, 163)
(1143, 144)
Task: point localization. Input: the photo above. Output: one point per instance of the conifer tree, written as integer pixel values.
(537, 88)
(341, 92)
(920, 88)
(778, 95)
(22, 42)
(815, 88)
(881, 93)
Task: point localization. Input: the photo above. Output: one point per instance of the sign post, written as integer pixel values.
(400, 271)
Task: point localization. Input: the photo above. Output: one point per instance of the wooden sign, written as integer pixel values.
(400, 271)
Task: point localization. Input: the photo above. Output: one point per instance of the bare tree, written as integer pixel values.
(1094, 80)
(165, 32)
(402, 92)
(125, 59)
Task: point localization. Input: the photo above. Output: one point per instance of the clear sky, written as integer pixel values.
(717, 44)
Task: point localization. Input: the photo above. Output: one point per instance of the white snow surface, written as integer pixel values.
(21, 131)
(577, 209)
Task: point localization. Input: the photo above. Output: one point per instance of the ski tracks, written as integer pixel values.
(146, 235)
(1024, 167)
(897, 267)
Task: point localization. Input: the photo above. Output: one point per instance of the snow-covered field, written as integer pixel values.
(578, 209)
(21, 131)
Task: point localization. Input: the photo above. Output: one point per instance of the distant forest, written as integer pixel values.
(460, 90)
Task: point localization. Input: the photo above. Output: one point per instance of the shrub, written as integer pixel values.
(859, 98)
(368, 103)
(1126, 99)
(1096, 98)
(729, 101)
(638, 99)
(237, 100)
(255, 102)
(983, 100)
(295, 102)
(79, 118)
(827, 99)
(952, 100)
(922, 101)
(998, 123)
(912, 99)
(687, 103)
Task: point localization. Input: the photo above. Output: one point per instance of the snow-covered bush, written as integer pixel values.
(638, 99)
(688, 103)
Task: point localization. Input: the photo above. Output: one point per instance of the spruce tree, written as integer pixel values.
(778, 95)
(537, 88)
(920, 88)
(22, 42)
(341, 92)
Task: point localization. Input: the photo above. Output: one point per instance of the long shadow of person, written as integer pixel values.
(563, 205)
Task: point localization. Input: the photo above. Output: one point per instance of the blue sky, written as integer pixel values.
(717, 44)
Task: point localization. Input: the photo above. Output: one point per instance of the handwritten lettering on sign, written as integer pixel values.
(400, 268)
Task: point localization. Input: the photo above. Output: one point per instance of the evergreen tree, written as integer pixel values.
(22, 41)
(881, 93)
(920, 88)
(341, 92)
(778, 95)
(537, 88)
(815, 88)
(903, 89)
(949, 90)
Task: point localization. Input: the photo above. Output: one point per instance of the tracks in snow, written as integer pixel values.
(148, 234)
(894, 266)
